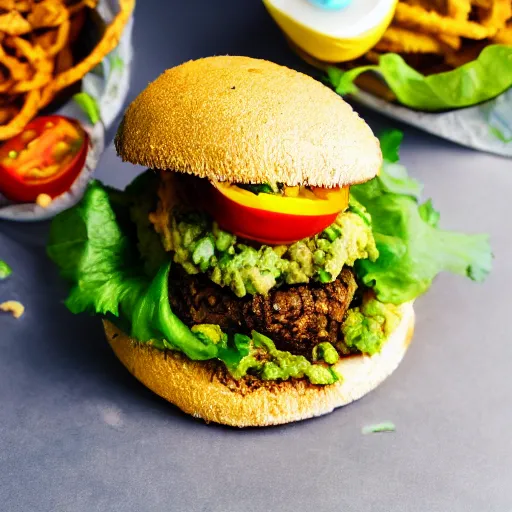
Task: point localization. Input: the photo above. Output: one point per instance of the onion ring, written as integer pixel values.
(27, 112)
(14, 24)
(434, 23)
(36, 60)
(398, 39)
(108, 42)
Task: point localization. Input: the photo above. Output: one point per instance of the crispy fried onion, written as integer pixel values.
(108, 42)
(438, 35)
(13, 306)
(432, 22)
(398, 39)
(504, 35)
(36, 58)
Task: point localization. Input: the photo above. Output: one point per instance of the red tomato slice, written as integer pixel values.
(45, 158)
(271, 227)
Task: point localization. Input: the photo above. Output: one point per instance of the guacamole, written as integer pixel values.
(199, 245)
(367, 327)
(265, 360)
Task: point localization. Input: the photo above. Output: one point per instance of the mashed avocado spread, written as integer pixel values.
(199, 245)
(265, 360)
(367, 327)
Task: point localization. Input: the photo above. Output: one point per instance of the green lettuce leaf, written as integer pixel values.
(390, 141)
(429, 214)
(479, 80)
(152, 319)
(92, 252)
(394, 178)
(5, 270)
(412, 248)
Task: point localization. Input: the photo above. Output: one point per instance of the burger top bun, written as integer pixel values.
(245, 120)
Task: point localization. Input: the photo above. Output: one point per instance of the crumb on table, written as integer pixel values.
(13, 306)
(43, 200)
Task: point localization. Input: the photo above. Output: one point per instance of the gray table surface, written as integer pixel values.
(78, 433)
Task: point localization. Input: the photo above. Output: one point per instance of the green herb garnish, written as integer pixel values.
(5, 270)
(263, 188)
(386, 426)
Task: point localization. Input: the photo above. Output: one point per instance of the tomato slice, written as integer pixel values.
(274, 219)
(322, 201)
(46, 158)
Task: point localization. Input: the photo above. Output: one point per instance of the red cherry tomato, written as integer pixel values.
(46, 158)
(273, 219)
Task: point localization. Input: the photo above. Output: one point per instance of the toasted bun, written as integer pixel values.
(195, 388)
(246, 120)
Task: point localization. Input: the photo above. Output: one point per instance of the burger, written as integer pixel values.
(263, 269)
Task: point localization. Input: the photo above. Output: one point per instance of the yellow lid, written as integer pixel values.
(333, 36)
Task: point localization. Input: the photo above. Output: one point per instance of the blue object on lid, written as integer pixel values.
(331, 5)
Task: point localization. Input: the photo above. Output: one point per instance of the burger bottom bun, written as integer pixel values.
(195, 387)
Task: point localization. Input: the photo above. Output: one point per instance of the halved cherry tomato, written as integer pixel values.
(274, 219)
(45, 158)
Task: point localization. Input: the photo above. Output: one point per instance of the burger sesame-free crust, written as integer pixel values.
(195, 387)
(245, 120)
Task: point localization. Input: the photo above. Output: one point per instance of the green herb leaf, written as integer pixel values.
(395, 180)
(386, 426)
(5, 270)
(263, 188)
(479, 80)
(89, 105)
